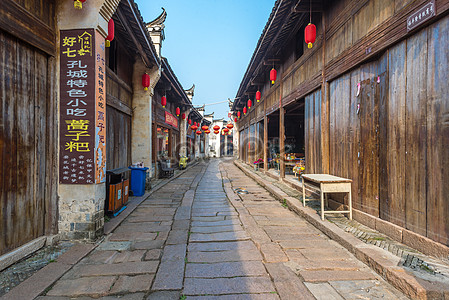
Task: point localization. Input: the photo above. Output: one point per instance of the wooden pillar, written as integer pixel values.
(248, 157)
(265, 137)
(325, 122)
(281, 140)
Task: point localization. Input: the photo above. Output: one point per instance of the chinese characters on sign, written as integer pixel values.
(423, 14)
(78, 109)
(170, 119)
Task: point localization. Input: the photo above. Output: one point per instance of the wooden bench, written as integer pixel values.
(328, 184)
(165, 171)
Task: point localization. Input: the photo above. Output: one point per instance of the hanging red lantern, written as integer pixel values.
(258, 96)
(250, 103)
(183, 116)
(204, 127)
(178, 111)
(238, 114)
(273, 75)
(310, 35)
(194, 127)
(198, 132)
(110, 36)
(244, 110)
(216, 127)
(207, 131)
(216, 132)
(78, 4)
(145, 81)
(235, 119)
(226, 130)
(230, 126)
(164, 101)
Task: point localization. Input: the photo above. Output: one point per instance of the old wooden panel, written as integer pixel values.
(30, 21)
(369, 152)
(24, 144)
(354, 137)
(392, 205)
(339, 41)
(415, 133)
(118, 136)
(339, 126)
(438, 132)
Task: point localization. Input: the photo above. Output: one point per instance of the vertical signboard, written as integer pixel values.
(100, 114)
(81, 149)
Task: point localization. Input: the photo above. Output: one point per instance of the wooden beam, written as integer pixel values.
(281, 136)
(325, 120)
(125, 24)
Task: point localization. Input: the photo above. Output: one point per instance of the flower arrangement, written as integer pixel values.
(260, 160)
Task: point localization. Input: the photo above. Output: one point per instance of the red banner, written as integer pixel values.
(171, 119)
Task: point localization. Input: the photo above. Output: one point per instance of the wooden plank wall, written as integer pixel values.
(27, 144)
(394, 146)
(118, 136)
(312, 124)
(438, 132)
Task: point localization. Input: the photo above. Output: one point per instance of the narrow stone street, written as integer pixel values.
(195, 238)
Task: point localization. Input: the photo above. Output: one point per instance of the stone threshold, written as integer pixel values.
(381, 261)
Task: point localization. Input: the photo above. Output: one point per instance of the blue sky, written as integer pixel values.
(209, 43)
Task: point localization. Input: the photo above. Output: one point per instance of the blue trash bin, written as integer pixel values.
(138, 179)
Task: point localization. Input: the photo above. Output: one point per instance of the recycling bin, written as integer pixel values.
(138, 179)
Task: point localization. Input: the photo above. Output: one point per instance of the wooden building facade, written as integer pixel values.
(370, 102)
(28, 118)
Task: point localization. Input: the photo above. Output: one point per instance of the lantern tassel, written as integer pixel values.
(78, 4)
(309, 45)
(107, 43)
(145, 88)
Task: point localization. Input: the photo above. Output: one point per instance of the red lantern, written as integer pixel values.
(78, 4)
(204, 127)
(110, 36)
(238, 114)
(235, 119)
(207, 131)
(190, 122)
(258, 96)
(310, 35)
(244, 110)
(163, 101)
(194, 123)
(145, 81)
(230, 126)
(216, 132)
(178, 111)
(273, 75)
(198, 132)
(183, 116)
(250, 103)
(226, 130)
(194, 127)
(216, 127)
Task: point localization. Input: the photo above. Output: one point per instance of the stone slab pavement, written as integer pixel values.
(194, 238)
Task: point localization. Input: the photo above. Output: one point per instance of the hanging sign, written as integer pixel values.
(82, 107)
(170, 119)
(421, 15)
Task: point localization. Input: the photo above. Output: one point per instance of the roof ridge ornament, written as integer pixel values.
(159, 21)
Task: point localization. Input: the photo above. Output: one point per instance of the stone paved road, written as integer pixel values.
(188, 241)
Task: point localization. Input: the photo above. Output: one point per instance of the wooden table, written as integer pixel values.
(328, 184)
